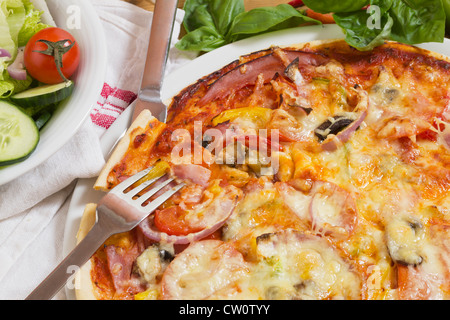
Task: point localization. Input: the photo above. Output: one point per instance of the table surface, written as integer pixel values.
(249, 4)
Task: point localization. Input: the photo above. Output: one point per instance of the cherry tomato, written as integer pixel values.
(49, 50)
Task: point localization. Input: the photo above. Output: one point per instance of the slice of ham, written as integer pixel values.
(327, 208)
(247, 73)
(120, 264)
(221, 267)
(193, 173)
(333, 210)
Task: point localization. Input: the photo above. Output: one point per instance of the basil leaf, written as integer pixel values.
(361, 32)
(329, 6)
(223, 13)
(201, 39)
(197, 15)
(418, 21)
(446, 4)
(266, 19)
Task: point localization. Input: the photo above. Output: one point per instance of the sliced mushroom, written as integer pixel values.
(152, 263)
(293, 73)
(404, 237)
(345, 128)
(334, 125)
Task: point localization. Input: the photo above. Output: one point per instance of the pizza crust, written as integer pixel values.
(143, 120)
(84, 289)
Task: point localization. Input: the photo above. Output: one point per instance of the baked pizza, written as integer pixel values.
(312, 171)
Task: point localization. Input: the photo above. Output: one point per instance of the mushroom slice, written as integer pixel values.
(404, 238)
(334, 125)
(339, 129)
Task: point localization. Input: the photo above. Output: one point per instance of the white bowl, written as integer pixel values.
(80, 19)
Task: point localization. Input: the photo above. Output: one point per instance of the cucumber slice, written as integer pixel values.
(43, 95)
(19, 134)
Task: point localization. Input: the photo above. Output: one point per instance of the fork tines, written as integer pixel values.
(137, 191)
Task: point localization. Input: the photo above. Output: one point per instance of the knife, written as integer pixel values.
(149, 95)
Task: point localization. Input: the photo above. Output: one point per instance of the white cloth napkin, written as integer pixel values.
(33, 208)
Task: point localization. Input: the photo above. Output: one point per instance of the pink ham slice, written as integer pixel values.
(221, 267)
(247, 73)
(120, 265)
(333, 210)
(192, 172)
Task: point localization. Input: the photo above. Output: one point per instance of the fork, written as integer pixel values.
(120, 210)
(149, 96)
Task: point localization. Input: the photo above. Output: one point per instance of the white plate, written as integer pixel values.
(182, 78)
(80, 19)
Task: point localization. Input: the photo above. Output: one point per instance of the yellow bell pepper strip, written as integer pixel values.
(258, 115)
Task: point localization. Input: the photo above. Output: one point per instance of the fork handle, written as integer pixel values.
(77, 258)
(159, 43)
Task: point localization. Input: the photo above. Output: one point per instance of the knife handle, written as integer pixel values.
(159, 43)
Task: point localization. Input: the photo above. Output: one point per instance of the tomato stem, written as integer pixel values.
(57, 50)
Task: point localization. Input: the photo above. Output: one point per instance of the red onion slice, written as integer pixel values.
(215, 215)
(333, 141)
(4, 53)
(17, 69)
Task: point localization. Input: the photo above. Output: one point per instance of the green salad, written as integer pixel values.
(36, 62)
(19, 21)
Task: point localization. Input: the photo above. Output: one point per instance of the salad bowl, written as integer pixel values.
(79, 18)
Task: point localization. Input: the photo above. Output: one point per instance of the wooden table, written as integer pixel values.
(249, 4)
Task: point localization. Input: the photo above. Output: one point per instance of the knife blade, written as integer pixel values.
(149, 95)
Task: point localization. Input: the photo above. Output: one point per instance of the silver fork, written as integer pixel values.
(158, 49)
(120, 210)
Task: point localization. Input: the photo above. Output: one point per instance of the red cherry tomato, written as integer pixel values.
(48, 48)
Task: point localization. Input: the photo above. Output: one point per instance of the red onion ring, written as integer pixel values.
(4, 53)
(332, 143)
(227, 203)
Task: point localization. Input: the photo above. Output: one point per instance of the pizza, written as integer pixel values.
(312, 171)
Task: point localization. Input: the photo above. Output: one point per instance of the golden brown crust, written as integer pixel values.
(141, 122)
(84, 289)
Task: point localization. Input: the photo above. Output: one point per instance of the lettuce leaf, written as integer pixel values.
(31, 25)
(12, 16)
(9, 86)
(19, 21)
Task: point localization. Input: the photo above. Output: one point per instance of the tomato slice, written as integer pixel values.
(172, 221)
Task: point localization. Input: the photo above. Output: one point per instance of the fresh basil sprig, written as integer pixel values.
(407, 21)
(211, 24)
